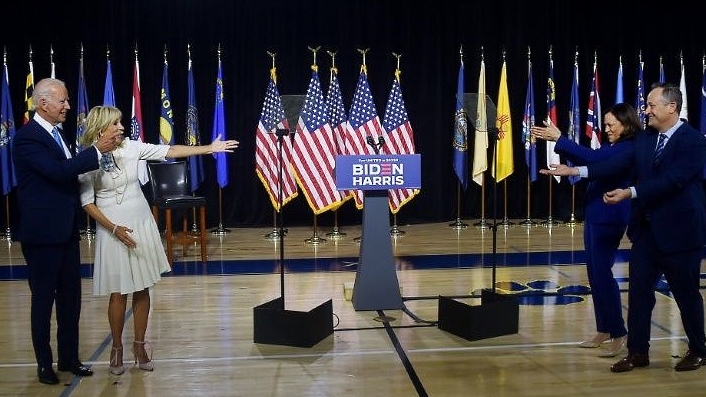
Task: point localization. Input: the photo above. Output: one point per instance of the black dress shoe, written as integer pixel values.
(690, 362)
(78, 369)
(631, 361)
(47, 376)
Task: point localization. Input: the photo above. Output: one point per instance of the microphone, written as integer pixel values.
(370, 141)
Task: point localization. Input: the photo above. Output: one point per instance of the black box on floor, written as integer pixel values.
(275, 326)
(498, 314)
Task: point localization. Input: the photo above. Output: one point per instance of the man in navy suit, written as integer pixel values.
(49, 209)
(667, 226)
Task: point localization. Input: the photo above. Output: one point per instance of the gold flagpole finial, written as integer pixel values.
(363, 67)
(313, 50)
(398, 72)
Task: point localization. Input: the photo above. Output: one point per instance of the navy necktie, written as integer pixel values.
(660, 147)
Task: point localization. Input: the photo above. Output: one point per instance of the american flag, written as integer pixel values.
(337, 112)
(314, 151)
(267, 164)
(399, 139)
(363, 124)
(593, 119)
(338, 119)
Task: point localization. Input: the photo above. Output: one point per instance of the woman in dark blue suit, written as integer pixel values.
(48, 196)
(604, 224)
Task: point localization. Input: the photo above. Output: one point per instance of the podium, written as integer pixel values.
(376, 286)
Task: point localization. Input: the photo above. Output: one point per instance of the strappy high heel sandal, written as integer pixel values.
(116, 356)
(142, 360)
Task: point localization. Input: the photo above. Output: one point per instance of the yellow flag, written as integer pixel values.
(503, 149)
(29, 89)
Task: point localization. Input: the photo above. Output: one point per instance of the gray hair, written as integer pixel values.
(44, 90)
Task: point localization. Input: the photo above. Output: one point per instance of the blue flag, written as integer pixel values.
(574, 132)
(7, 132)
(640, 95)
(81, 106)
(528, 121)
(166, 118)
(460, 142)
(662, 79)
(619, 97)
(703, 106)
(219, 128)
(193, 138)
(108, 95)
(703, 101)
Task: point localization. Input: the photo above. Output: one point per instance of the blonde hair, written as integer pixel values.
(98, 119)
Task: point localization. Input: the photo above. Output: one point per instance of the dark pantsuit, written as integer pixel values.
(602, 242)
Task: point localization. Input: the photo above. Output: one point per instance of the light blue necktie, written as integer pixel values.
(660, 147)
(57, 138)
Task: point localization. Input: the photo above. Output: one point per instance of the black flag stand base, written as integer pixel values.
(276, 326)
(498, 314)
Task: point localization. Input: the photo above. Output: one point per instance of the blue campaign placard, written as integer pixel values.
(378, 171)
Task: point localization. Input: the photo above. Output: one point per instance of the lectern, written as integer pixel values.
(376, 286)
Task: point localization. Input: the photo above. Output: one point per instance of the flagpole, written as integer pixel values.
(528, 220)
(90, 232)
(458, 224)
(220, 230)
(8, 233)
(550, 220)
(274, 234)
(335, 233)
(395, 230)
(482, 223)
(572, 218)
(506, 223)
(315, 239)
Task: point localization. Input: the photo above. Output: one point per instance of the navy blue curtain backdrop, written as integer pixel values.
(428, 35)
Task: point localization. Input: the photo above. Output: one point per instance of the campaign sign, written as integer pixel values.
(378, 171)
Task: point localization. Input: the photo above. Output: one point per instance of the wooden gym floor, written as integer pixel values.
(201, 323)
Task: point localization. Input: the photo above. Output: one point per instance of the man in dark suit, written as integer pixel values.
(49, 210)
(667, 226)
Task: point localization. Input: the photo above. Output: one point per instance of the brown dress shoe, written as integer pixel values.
(690, 362)
(631, 361)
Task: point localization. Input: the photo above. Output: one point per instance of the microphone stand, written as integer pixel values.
(281, 133)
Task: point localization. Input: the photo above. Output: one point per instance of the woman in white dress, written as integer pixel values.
(126, 258)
